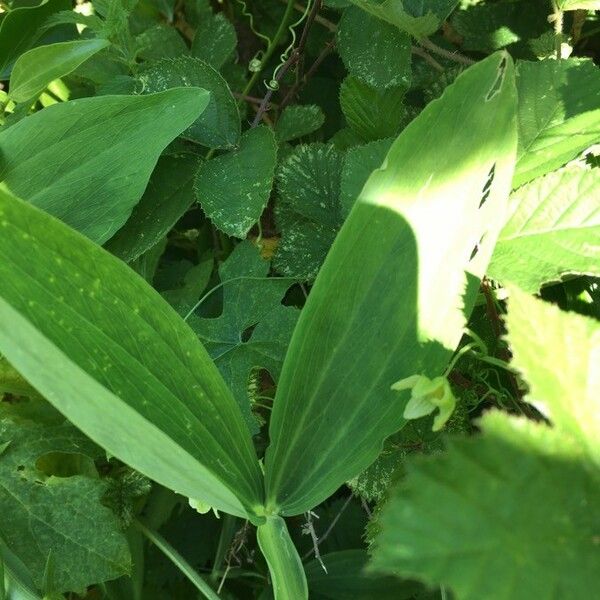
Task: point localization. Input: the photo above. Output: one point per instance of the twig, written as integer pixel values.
(427, 58)
(309, 528)
(318, 541)
(454, 56)
(298, 85)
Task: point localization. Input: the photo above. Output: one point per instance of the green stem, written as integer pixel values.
(557, 18)
(227, 533)
(178, 561)
(289, 9)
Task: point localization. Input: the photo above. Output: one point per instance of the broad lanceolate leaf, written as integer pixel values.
(168, 195)
(20, 29)
(512, 513)
(233, 189)
(558, 354)
(559, 115)
(215, 40)
(69, 159)
(219, 125)
(375, 314)
(420, 18)
(59, 515)
(307, 211)
(372, 113)
(113, 357)
(287, 573)
(374, 51)
(553, 230)
(251, 302)
(38, 67)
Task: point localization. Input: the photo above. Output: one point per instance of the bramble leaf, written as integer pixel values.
(553, 230)
(298, 121)
(233, 189)
(215, 40)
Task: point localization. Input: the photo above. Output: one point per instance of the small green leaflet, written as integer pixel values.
(215, 40)
(251, 302)
(77, 173)
(168, 195)
(553, 230)
(373, 113)
(366, 45)
(19, 30)
(59, 514)
(297, 121)
(233, 189)
(559, 115)
(579, 4)
(107, 351)
(371, 315)
(219, 124)
(35, 69)
(307, 211)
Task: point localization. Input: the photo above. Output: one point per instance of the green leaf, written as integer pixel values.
(370, 315)
(233, 189)
(559, 114)
(579, 4)
(509, 514)
(68, 158)
(63, 514)
(558, 353)
(287, 573)
(251, 302)
(486, 27)
(307, 210)
(373, 114)
(160, 42)
(375, 52)
(553, 230)
(298, 121)
(20, 29)
(38, 67)
(183, 297)
(104, 348)
(215, 40)
(419, 18)
(219, 125)
(168, 195)
(359, 163)
(346, 579)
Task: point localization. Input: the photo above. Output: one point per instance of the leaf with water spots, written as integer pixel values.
(233, 189)
(106, 350)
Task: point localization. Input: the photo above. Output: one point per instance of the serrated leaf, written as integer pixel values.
(307, 210)
(509, 514)
(298, 121)
(233, 189)
(168, 195)
(160, 42)
(486, 27)
(371, 318)
(67, 159)
(215, 40)
(359, 163)
(553, 229)
(251, 301)
(558, 114)
(19, 30)
(558, 354)
(374, 51)
(219, 125)
(373, 114)
(38, 67)
(419, 18)
(60, 515)
(106, 350)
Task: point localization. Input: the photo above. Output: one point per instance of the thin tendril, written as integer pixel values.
(246, 13)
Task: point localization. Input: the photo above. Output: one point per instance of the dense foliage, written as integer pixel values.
(299, 299)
